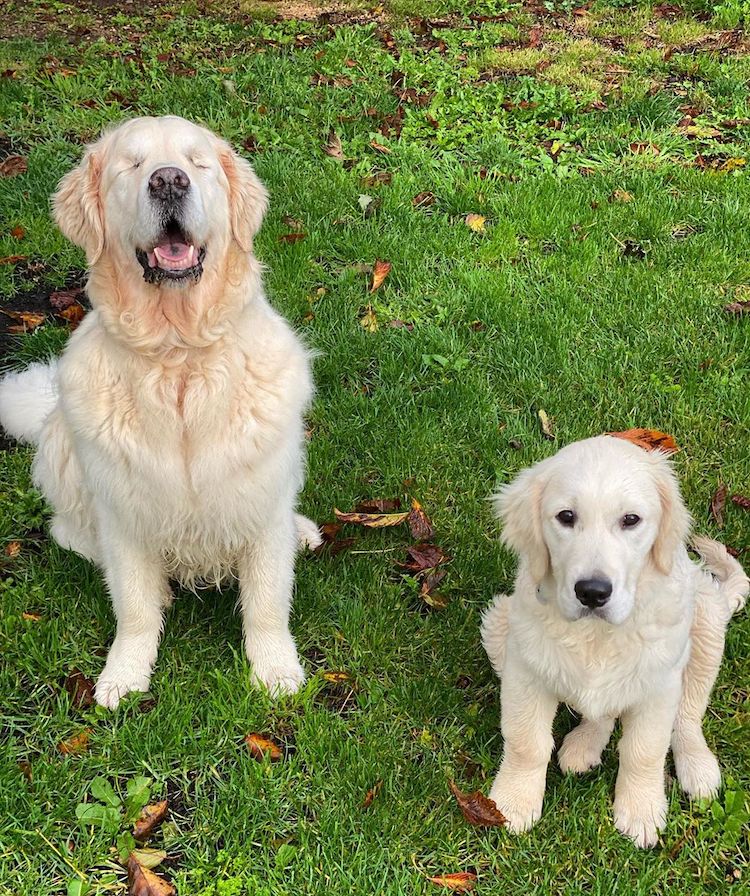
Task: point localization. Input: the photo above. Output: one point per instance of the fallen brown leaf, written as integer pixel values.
(12, 259)
(379, 177)
(74, 314)
(24, 766)
(371, 794)
(369, 320)
(29, 320)
(372, 520)
(150, 819)
(78, 743)
(31, 617)
(379, 147)
(475, 222)
(547, 424)
(621, 196)
(261, 746)
(293, 223)
(333, 147)
(741, 501)
(422, 557)
(331, 543)
(740, 307)
(477, 809)
(427, 592)
(718, 502)
(423, 200)
(18, 232)
(142, 882)
(650, 439)
(378, 505)
(292, 237)
(12, 549)
(13, 165)
(80, 688)
(64, 298)
(459, 881)
(337, 677)
(420, 524)
(379, 272)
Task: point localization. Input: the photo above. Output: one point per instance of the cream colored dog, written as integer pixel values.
(610, 616)
(170, 436)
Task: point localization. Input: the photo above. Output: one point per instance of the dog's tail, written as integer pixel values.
(733, 581)
(26, 400)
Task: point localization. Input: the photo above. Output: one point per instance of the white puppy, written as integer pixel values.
(610, 616)
(169, 434)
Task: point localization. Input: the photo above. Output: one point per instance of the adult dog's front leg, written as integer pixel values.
(140, 591)
(527, 714)
(266, 581)
(640, 809)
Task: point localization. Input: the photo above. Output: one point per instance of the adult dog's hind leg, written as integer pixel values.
(697, 767)
(266, 574)
(582, 748)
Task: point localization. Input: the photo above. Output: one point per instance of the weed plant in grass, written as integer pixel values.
(609, 166)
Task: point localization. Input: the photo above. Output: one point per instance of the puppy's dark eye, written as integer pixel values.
(566, 518)
(630, 520)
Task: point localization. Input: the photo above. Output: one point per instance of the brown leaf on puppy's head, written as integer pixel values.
(718, 502)
(142, 882)
(650, 439)
(477, 809)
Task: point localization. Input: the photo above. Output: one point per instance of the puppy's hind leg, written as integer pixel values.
(697, 767)
(582, 748)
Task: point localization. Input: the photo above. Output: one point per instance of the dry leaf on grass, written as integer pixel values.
(741, 501)
(547, 424)
(31, 617)
(369, 320)
(475, 222)
(18, 232)
(420, 524)
(261, 746)
(292, 237)
(78, 743)
(740, 307)
(12, 259)
(81, 689)
(150, 819)
(459, 881)
(74, 314)
(379, 272)
(29, 321)
(718, 502)
(477, 809)
(331, 543)
(371, 794)
(371, 520)
(333, 147)
(427, 592)
(13, 165)
(621, 196)
(12, 549)
(650, 439)
(142, 882)
(422, 557)
(423, 200)
(64, 298)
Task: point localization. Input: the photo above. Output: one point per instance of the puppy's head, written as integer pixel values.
(163, 198)
(589, 520)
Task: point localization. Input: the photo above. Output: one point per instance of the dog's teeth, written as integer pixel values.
(158, 254)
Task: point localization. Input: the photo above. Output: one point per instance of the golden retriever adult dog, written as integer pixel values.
(610, 616)
(169, 435)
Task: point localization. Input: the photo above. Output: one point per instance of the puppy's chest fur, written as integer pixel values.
(602, 670)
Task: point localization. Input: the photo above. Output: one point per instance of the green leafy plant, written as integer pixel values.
(110, 812)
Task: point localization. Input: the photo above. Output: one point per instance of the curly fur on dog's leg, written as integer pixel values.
(266, 576)
(139, 590)
(697, 767)
(527, 715)
(640, 808)
(582, 748)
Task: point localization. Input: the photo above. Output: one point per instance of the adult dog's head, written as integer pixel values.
(160, 204)
(590, 520)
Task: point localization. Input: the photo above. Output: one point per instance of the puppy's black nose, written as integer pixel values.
(168, 184)
(593, 593)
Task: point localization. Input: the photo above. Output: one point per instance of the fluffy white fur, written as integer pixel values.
(649, 656)
(169, 434)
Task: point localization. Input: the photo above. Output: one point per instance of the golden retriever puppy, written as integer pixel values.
(169, 434)
(610, 616)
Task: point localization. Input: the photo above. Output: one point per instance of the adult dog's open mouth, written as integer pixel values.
(174, 258)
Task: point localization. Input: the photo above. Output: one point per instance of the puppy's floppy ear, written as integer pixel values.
(248, 198)
(519, 506)
(674, 526)
(77, 205)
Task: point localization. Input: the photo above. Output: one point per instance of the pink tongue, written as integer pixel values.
(174, 256)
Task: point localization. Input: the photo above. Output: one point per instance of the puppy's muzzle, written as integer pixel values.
(593, 593)
(168, 184)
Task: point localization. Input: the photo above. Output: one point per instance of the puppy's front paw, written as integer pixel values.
(698, 773)
(275, 667)
(519, 799)
(114, 683)
(580, 751)
(308, 533)
(640, 818)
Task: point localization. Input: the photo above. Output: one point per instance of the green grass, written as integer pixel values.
(541, 311)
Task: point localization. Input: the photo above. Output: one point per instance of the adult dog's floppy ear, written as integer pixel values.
(248, 198)
(519, 506)
(77, 205)
(674, 526)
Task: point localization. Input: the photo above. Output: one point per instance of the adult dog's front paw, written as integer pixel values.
(640, 817)
(519, 798)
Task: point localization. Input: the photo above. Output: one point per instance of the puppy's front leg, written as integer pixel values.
(139, 588)
(528, 710)
(266, 573)
(640, 809)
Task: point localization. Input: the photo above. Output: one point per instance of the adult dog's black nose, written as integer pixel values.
(593, 593)
(168, 184)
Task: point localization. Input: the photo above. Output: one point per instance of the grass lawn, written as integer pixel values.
(605, 149)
